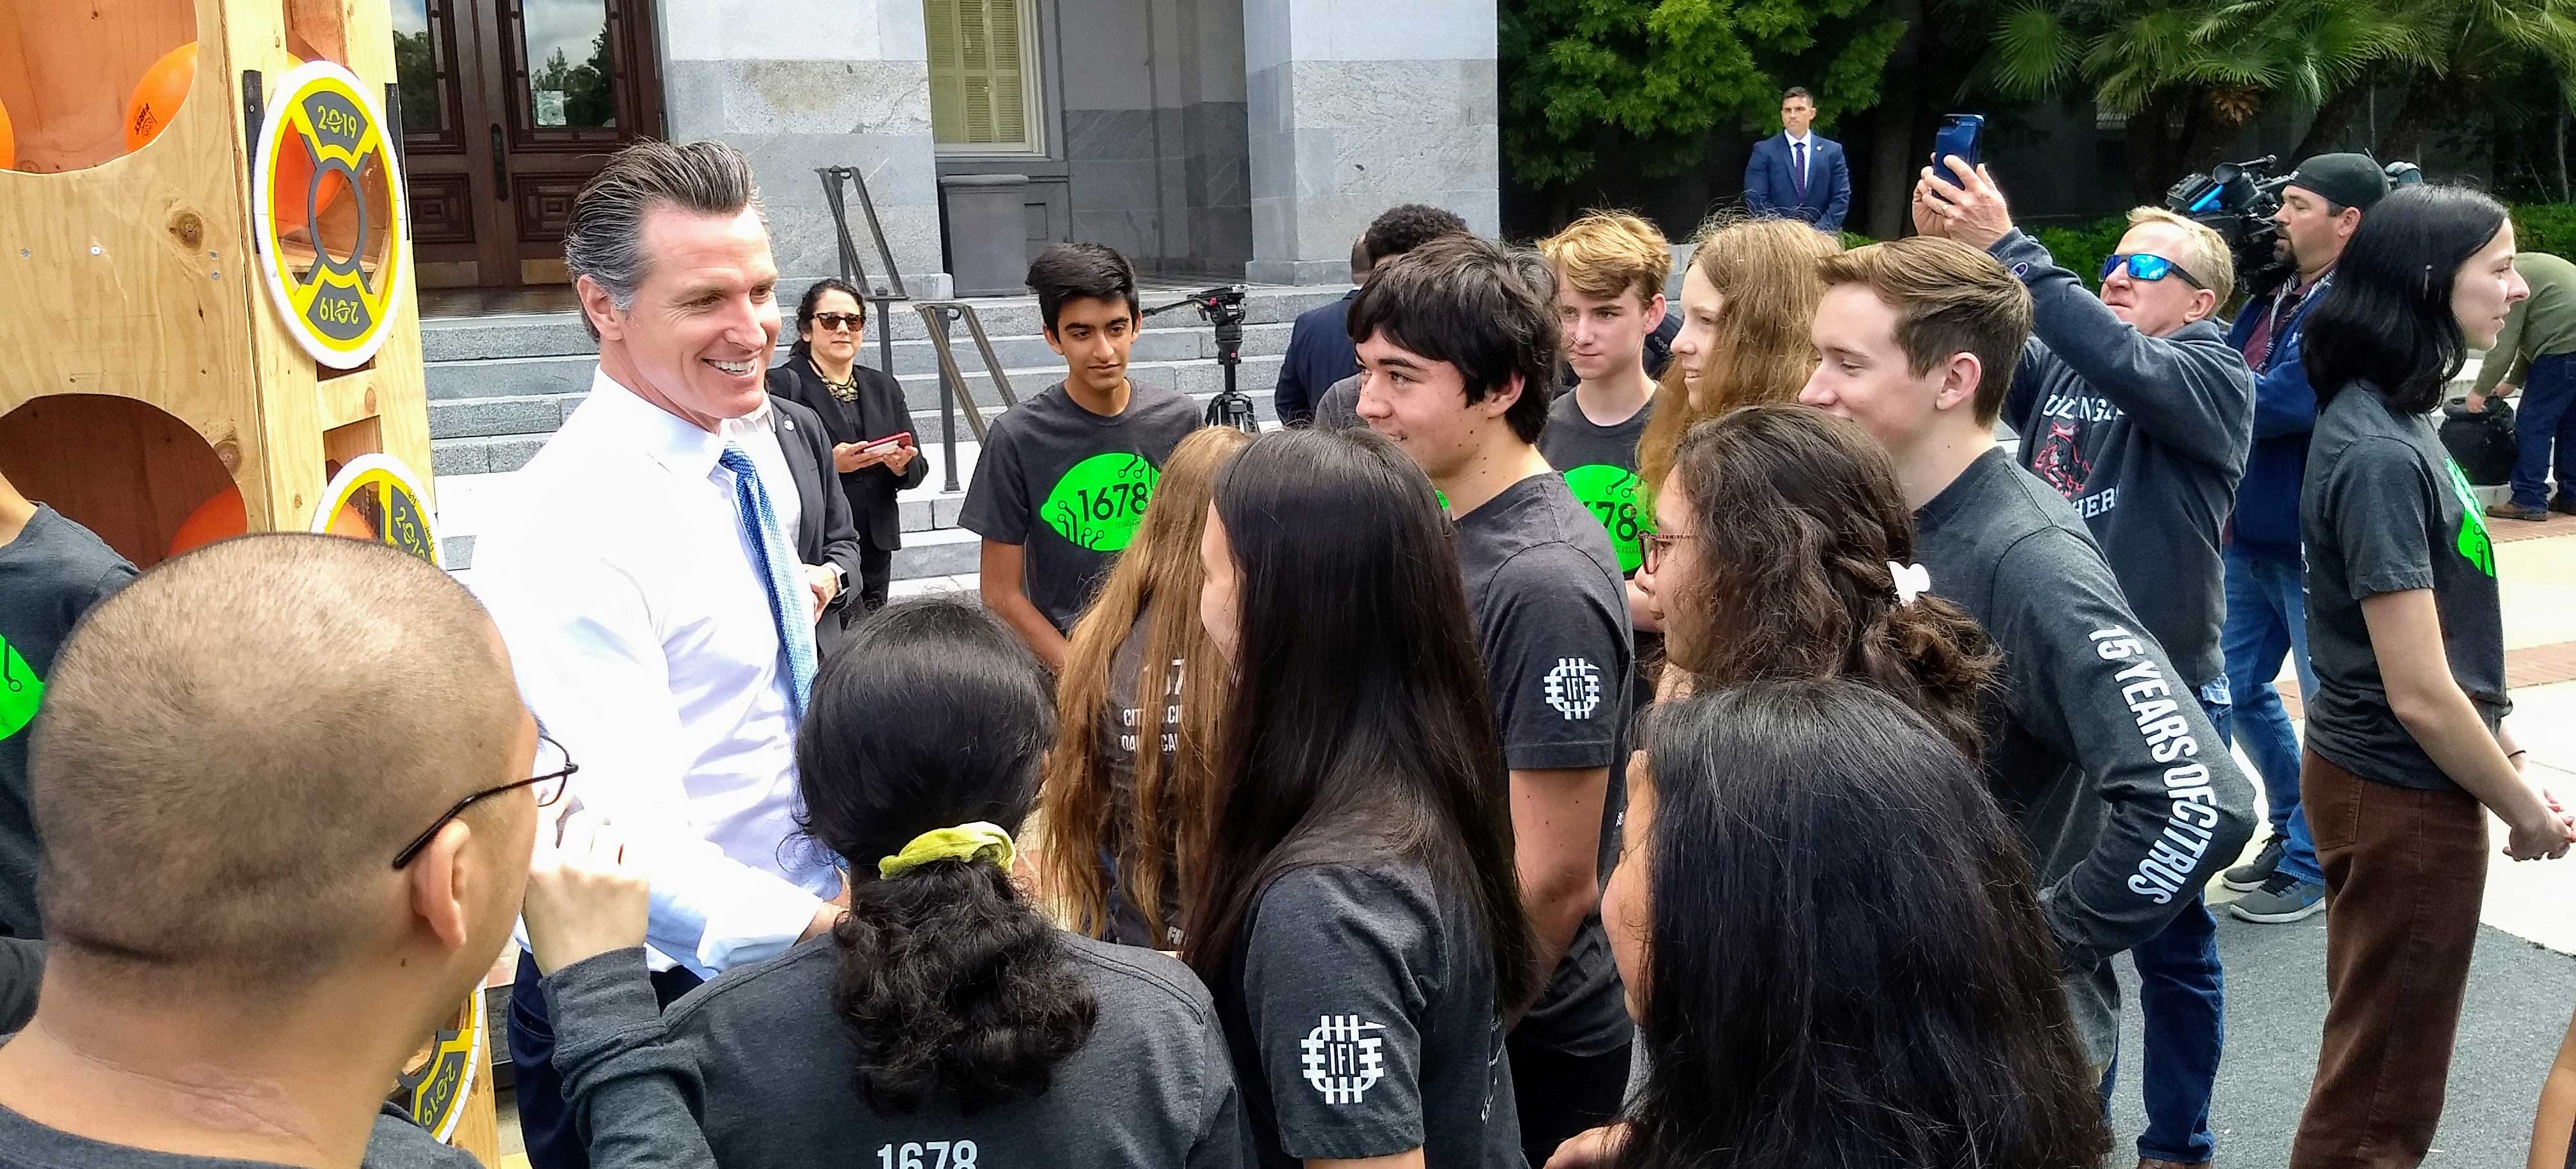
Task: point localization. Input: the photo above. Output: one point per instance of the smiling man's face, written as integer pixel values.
(697, 338)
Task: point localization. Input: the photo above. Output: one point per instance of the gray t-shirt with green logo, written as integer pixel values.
(1600, 467)
(2386, 511)
(1070, 487)
(50, 575)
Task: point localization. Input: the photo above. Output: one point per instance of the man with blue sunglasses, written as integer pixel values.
(2134, 407)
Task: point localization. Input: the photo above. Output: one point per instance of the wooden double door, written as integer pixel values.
(508, 107)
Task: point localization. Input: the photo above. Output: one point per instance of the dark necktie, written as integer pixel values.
(1798, 166)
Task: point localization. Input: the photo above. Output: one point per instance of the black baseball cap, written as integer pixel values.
(2348, 180)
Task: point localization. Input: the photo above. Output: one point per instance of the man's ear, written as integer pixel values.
(1498, 401)
(437, 884)
(1960, 377)
(1655, 310)
(600, 308)
(2203, 302)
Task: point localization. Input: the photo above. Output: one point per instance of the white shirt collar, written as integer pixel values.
(1798, 139)
(666, 438)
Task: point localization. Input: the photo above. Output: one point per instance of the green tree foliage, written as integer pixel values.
(2188, 75)
(1656, 76)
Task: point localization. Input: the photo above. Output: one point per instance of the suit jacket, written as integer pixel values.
(879, 411)
(824, 535)
(1771, 185)
(1320, 353)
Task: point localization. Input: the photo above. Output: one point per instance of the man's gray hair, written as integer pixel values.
(604, 239)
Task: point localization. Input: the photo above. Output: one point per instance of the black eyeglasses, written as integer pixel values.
(1659, 543)
(839, 322)
(554, 765)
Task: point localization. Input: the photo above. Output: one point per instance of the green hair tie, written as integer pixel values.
(978, 841)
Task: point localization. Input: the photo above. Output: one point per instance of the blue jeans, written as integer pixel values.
(2182, 996)
(2547, 390)
(2267, 616)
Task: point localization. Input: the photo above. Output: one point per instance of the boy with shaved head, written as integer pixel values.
(288, 793)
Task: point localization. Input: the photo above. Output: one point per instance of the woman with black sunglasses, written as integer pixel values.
(862, 408)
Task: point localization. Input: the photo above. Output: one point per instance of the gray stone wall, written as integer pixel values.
(1153, 133)
(1358, 105)
(796, 93)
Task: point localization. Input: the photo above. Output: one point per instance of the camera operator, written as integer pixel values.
(2321, 206)
(2133, 407)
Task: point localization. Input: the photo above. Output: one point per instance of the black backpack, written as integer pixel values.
(2482, 444)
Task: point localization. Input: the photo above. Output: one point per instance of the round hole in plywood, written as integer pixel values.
(69, 67)
(119, 467)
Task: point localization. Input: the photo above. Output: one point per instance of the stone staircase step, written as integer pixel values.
(542, 344)
(561, 334)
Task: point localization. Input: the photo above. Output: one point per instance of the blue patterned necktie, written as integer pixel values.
(1798, 164)
(788, 594)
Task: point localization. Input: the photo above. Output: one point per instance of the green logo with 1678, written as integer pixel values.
(1610, 493)
(1098, 503)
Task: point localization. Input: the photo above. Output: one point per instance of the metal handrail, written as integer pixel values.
(936, 316)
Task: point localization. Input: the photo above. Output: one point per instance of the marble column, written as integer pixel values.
(797, 87)
(1356, 106)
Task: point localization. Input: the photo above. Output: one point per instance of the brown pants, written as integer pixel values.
(2405, 875)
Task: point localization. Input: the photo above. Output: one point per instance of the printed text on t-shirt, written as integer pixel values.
(2167, 868)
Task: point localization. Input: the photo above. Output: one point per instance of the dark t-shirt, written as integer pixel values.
(396, 1144)
(1365, 1024)
(1552, 622)
(1070, 487)
(50, 575)
(1600, 467)
(2095, 745)
(2386, 511)
(750, 1070)
(1127, 733)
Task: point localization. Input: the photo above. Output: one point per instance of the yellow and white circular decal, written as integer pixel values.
(327, 204)
(377, 497)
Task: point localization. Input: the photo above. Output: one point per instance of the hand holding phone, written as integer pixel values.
(1962, 136)
(876, 446)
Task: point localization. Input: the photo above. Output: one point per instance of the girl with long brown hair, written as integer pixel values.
(1811, 574)
(1125, 785)
(1747, 305)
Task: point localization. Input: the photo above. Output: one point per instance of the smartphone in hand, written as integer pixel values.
(888, 443)
(1962, 136)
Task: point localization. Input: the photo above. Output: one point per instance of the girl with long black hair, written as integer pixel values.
(2406, 745)
(1831, 940)
(1356, 911)
(942, 1022)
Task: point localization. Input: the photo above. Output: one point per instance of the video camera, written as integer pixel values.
(1222, 307)
(2238, 201)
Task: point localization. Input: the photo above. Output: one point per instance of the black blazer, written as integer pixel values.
(880, 411)
(824, 534)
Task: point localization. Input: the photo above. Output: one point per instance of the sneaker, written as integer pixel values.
(2281, 900)
(2510, 510)
(2252, 875)
(2563, 505)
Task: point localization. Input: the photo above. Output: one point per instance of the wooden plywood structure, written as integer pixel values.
(143, 369)
(130, 275)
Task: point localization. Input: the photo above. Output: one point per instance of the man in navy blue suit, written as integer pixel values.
(1795, 174)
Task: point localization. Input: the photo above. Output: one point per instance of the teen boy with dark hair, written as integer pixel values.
(2126, 794)
(1457, 341)
(1063, 479)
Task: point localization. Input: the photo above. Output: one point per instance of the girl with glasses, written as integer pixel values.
(943, 1021)
(1784, 549)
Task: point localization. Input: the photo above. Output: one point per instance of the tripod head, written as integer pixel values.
(1222, 307)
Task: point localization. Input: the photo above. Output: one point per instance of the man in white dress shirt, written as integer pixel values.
(648, 589)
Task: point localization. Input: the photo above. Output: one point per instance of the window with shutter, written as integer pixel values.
(980, 64)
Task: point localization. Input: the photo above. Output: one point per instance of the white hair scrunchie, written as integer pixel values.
(1912, 580)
